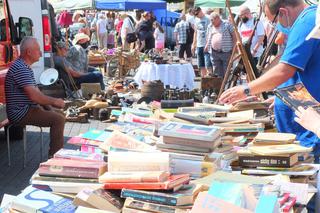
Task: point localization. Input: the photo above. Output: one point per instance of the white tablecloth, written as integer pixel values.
(176, 75)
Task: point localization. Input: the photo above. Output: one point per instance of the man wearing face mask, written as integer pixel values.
(246, 28)
(300, 57)
(78, 58)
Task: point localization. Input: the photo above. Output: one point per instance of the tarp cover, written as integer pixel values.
(60, 5)
(217, 3)
(130, 4)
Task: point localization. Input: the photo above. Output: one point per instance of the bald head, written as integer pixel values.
(244, 9)
(30, 50)
(26, 44)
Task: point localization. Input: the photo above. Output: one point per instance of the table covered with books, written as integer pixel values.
(157, 160)
(175, 75)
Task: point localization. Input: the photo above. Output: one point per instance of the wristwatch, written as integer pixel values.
(246, 90)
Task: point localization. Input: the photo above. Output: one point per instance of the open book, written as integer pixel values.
(297, 95)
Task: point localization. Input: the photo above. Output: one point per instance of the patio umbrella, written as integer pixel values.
(217, 3)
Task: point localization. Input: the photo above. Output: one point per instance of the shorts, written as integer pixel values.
(159, 44)
(204, 60)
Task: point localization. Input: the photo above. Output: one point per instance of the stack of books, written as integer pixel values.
(70, 171)
(188, 138)
(141, 170)
(271, 152)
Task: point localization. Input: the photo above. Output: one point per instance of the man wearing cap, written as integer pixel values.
(199, 41)
(300, 56)
(64, 67)
(26, 104)
(78, 59)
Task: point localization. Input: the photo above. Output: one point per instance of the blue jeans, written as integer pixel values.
(93, 76)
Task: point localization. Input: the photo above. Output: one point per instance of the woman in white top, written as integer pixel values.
(158, 37)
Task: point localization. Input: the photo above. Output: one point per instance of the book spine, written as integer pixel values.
(264, 161)
(131, 177)
(156, 208)
(285, 100)
(68, 171)
(149, 197)
(203, 144)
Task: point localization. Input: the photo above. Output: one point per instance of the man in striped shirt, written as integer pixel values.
(221, 39)
(26, 105)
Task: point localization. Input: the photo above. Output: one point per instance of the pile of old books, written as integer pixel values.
(169, 162)
(272, 153)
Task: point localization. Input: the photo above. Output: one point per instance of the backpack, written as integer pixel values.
(190, 33)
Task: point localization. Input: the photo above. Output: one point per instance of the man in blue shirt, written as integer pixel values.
(26, 105)
(300, 56)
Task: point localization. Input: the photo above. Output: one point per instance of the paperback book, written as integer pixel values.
(35, 200)
(172, 182)
(297, 95)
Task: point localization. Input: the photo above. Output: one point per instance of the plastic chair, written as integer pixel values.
(24, 138)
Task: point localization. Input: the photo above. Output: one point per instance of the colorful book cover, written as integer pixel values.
(79, 140)
(123, 141)
(35, 200)
(189, 131)
(295, 96)
(97, 135)
(267, 204)
(228, 191)
(206, 203)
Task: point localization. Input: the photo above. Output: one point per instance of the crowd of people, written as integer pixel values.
(198, 33)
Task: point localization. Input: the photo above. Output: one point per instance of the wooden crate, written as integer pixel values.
(211, 83)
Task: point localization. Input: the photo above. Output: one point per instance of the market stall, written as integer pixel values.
(130, 4)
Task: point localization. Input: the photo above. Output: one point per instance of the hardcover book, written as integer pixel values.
(171, 183)
(35, 200)
(72, 168)
(190, 131)
(182, 197)
(192, 142)
(173, 147)
(268, 161)
(151, 207)
(297, 95)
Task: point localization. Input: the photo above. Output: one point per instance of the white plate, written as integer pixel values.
(49, 76)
